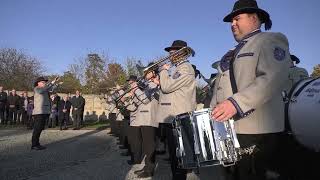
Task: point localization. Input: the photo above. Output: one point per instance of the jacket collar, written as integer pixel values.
(253, 33)
(182, 62)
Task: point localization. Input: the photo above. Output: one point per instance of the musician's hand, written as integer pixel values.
(133, 85)
(60, 83)
(156, 80)
(224, 111)
(166, 66)
(133, 90)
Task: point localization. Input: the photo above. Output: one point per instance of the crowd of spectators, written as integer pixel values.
(16, 109)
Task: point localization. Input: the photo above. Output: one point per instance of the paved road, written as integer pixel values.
(73, 155)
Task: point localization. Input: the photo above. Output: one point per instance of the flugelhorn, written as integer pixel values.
(174, 57)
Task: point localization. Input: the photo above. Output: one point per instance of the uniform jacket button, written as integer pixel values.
(219, 88)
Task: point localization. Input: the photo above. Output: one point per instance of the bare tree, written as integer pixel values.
(131, 67)
(78, 69)
(18, 70)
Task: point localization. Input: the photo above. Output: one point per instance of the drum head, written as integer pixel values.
(304, 113)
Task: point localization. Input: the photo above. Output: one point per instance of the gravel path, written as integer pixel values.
(73, 155)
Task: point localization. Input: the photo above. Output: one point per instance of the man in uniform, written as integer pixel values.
(248, 87)
(296, 73)
(134, 139)
(41, 109)
(112, 112)
(147, 106)
(177, 96)
(118, 119)
(3, 102)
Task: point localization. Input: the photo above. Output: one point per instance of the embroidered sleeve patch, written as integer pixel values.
(279, 54)
(176, 75)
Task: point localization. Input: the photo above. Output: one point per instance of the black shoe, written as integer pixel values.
(39, 147)
(130, 162)
(122, 147)
(145, 174)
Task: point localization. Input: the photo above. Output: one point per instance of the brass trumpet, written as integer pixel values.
(175, 58)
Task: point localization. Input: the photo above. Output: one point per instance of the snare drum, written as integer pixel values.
(203, 142)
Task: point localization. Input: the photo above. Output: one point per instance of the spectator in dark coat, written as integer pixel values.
(13, 105)
(30, 107)
(53, 118)
(24, 101)
(64, 107)
(3, 102)
(82, 109)
(77, 109)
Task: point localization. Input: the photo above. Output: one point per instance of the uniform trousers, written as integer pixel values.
(135, 141)
(161, 139)
(255, 166)
(295, 161)
(148, 134)
(177, 173)
(112, 119)
(117, 128)
(39, 124)
(123, 138)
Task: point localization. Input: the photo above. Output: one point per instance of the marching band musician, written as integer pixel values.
(114, 114)
(119, 117)
(177, 96)
(147, 102)
(248, 88)
(296, 73)
(134, 128)
(42, 108)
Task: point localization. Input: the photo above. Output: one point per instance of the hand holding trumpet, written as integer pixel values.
(55, 81)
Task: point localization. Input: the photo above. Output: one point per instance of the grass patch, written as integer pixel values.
(96, 125)
(12, 126)
(92, 125)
